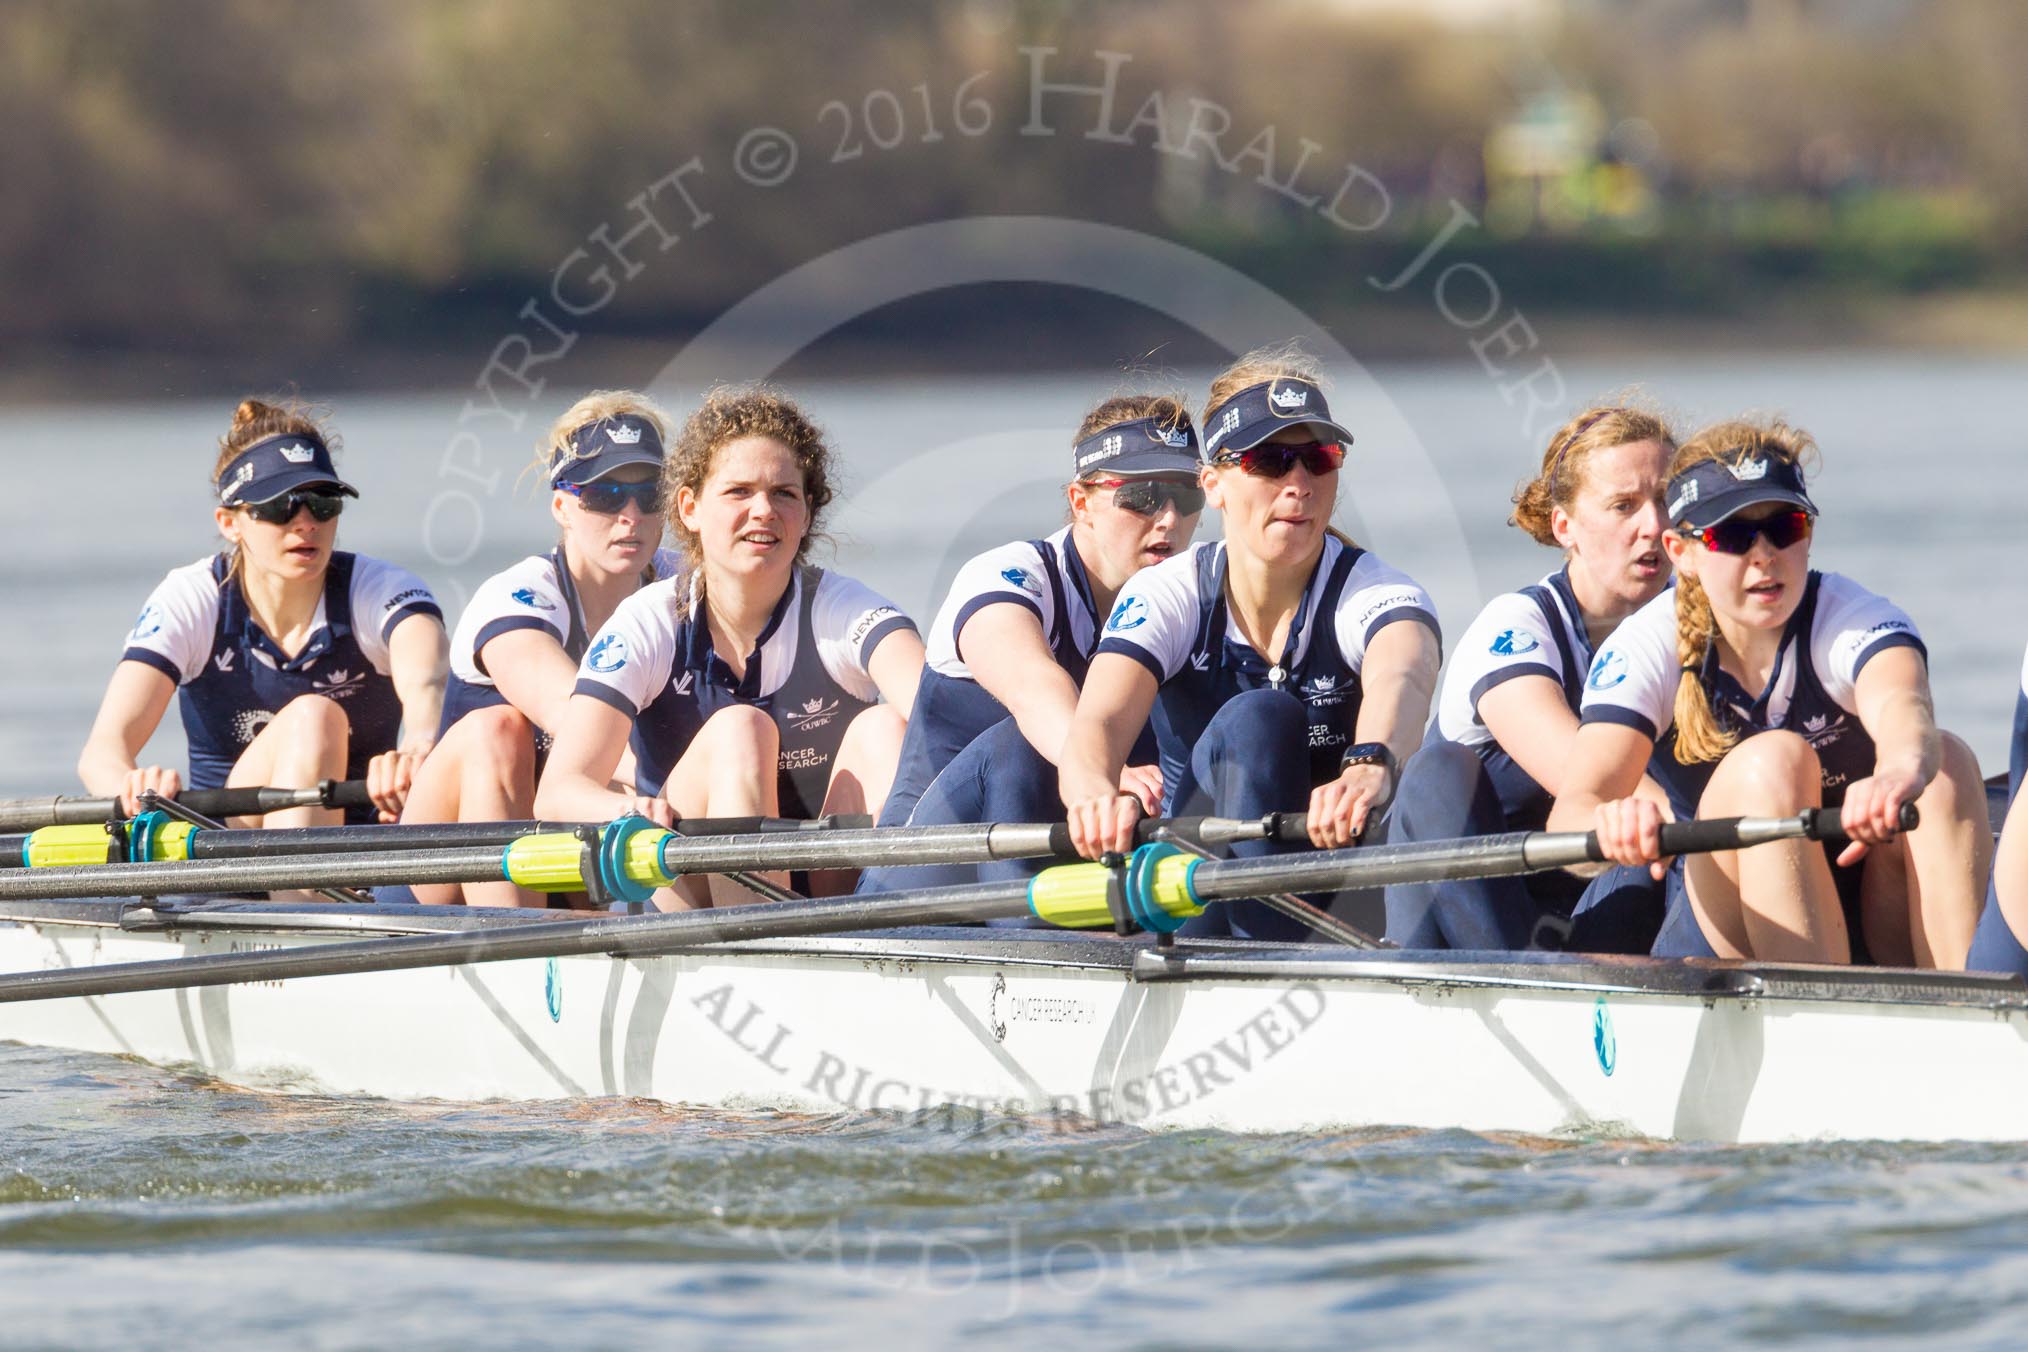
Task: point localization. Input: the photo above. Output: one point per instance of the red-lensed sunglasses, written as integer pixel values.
(1272, 460)
(1736, 536)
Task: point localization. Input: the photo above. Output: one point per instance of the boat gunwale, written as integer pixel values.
(1136, 958)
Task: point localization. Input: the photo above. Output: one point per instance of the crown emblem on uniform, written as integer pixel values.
(811, 706)
(622, 435)
(1294, 396)
(296, 453)
(1746, 470)
(1816, 723)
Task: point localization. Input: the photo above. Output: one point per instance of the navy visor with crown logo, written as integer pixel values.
(598, 448)
(1259, 411)
(275, 465)
(1711, 490)
(1143, 446)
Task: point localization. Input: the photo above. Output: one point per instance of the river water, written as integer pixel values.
(139, 1205)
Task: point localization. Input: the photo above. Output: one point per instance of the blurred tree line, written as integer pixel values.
(240, 175)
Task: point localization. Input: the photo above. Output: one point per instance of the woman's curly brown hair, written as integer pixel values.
(728, 414)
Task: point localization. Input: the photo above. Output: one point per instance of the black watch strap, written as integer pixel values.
(1372, 753)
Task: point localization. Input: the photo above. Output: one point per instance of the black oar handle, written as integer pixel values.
(32, 814)
(1702, 837)
(254, 802)
(1289, 828)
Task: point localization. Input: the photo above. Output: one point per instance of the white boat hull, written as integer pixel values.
(969, 1021)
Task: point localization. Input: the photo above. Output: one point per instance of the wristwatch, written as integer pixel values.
(1373, 753)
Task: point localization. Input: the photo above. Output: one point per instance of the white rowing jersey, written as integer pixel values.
(1174, 620)
(1837, 628)
(1537, 631)
(196, 629)
(537, 594)
(655, 662)
(1044, 577)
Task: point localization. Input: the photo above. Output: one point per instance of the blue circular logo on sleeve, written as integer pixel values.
(1023, 579)
(608, 655)
(527, 597)
(1608, 671)
(1514, 642)
(1130, 613)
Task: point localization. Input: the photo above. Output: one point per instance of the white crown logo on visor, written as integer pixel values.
(622, 435)
(1747, 470)
(298, 454)
(1176, 438)
(1293, 397)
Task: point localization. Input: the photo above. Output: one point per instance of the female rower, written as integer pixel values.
(515, 651)
(1507, 710)
(1286, 668)
(1014, 637)
(296, 662)
(1997, 945)
(750, 681)
(1760, 687)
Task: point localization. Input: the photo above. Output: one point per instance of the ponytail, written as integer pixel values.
(1698, 736)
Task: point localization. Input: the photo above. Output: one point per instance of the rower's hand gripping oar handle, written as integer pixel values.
(1732, 833)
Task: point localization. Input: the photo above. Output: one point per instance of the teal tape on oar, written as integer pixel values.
(1146, 893)
(612, 857)
(141, 835)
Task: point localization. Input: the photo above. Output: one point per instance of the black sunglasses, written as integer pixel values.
(1272, 460)
(1147, 497)
(280, 511)
(607, 499)
(1736, 536)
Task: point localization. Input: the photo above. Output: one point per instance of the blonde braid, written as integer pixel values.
(1698, 736)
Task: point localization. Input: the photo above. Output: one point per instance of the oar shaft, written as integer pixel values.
(312, 857)
(469, 865)
(28, 814)
(90, 843)
(620, 936)
(1175, 886)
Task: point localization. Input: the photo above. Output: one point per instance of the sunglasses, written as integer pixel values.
(1147, 497)
(1736, 536)
(280, 511)
(607, 499)
(1272, 460)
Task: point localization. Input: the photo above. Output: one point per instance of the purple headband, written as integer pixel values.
(1556, 465)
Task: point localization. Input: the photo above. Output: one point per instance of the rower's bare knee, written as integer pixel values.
(503, 735)
(741, 728)
(317, 716)
(1957, 787)
(1770, 773)
(876, 732)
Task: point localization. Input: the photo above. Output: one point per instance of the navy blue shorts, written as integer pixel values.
(1683, 937)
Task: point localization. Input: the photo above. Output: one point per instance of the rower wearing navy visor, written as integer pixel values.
(1759, 687)
(751, 683)
(1508, 708)
(1287, 669)
(1011, 643)
(515, 651)
(295, 662)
